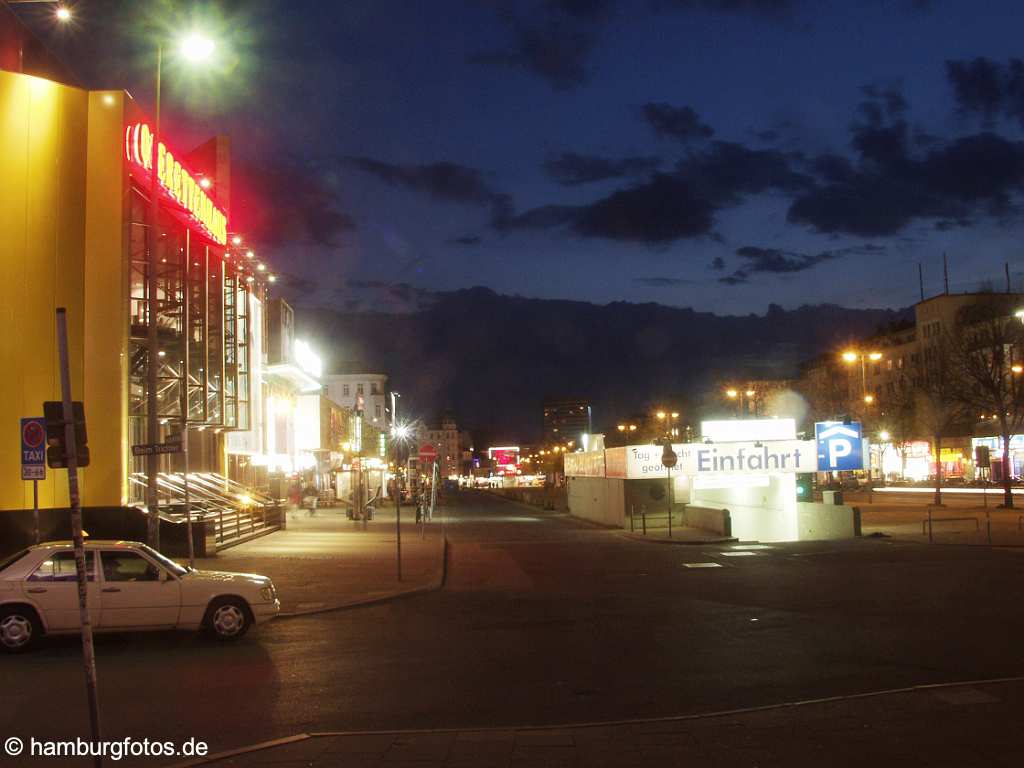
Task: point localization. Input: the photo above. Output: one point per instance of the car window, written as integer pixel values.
(128, 566)
(60, 566)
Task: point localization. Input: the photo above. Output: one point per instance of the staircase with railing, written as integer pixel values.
(237, 513)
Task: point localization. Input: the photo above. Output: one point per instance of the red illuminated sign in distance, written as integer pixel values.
(177, 182)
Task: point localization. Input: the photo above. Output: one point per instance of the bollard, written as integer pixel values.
(643, 517)
(632, 510)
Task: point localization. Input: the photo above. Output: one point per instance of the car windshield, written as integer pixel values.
(9, 561)
(166, 562)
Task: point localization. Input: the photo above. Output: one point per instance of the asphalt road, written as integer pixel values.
(547, 620)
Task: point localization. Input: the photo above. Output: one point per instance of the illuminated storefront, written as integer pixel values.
(74, 212)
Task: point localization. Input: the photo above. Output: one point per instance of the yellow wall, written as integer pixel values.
(44, 245)
(106, 301)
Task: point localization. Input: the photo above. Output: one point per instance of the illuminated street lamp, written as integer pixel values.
(194, 48)
(851, 356)
(736, 394)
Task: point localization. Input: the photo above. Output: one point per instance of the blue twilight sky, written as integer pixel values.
(719, 154)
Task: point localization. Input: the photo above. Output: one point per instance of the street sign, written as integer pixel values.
(33, 449)
(982, 457)
(152, 449)
(668, 457)
(428, 452)
(840, 446)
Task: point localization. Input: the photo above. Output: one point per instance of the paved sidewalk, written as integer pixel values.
(327, 561)
(680, 535)
(955, 523)
(958, 725)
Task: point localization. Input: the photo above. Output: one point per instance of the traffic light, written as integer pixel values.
(56, 448)
(805, 486)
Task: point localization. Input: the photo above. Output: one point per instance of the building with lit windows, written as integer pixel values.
(355, 384)
(74, 211)
(566, 419)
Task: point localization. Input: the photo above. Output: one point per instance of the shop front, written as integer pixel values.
(75, 218)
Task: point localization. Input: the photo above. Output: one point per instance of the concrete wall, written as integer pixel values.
(759, 513)
(823, 521)
(708, 519)
(598, 499)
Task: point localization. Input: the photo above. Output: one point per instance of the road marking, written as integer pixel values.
(702, 565)
(751, 546)
(743, 553)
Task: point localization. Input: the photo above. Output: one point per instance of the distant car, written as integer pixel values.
(132, 587)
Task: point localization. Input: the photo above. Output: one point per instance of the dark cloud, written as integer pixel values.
(736, 278)
(581, 9)
(556, 49)
(896, 178)
(987, 88)
(297, 286)
(776, 8)
(662, 282)
(554, 39)
(673, 206)
(450, 182)
(466, 240)
(680, 123)
(311, 213)
(572, 169)
(658, 211)
(726, 172)
(717, 264)
(777, 261)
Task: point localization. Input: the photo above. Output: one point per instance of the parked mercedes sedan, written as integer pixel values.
(131, 587)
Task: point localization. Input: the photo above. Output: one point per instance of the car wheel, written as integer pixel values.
(228, 618)
(20, 629)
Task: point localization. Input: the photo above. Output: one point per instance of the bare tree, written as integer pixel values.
(899, 415)
(939, 404)
(986, 349)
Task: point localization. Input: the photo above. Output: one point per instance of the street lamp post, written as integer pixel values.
(195, 48)
(736, 394)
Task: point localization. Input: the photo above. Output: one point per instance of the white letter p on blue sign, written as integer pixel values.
(839, 446)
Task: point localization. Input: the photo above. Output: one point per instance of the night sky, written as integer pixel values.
(719, 154)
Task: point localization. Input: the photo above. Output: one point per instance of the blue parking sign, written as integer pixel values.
(33, 449)
(840, 446)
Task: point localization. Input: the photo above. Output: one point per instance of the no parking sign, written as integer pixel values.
(33, 449)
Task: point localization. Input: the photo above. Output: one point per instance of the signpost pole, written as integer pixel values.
(88, 652)
(670, 495)
(35, 508)
(398, 534)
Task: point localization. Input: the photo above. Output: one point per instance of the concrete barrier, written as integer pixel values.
(708, 519)
(827, 521)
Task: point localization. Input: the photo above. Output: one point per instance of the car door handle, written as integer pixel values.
(36, 590)
(111, 589)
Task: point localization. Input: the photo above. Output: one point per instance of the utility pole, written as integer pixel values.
(152, 338)
(88, 650)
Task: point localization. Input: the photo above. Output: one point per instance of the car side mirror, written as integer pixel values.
(164, 576)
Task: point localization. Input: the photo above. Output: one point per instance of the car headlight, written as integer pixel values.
(268, 593)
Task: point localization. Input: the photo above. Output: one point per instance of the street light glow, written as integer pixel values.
(750, 393)
(731, 393)
(869, 399)
(196, 47)
(1017, 368)
(875, 356)
(850, 357)
(660, 415)
(63, 13)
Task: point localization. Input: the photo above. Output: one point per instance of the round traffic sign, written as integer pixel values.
(33, 434)
(428, 452)
(668, 457)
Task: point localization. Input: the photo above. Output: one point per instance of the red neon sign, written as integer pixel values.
(177, 182)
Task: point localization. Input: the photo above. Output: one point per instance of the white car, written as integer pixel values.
(131, 587)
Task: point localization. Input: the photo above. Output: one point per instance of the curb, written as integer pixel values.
(679, 542)
(208, 759)
(437, 584)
